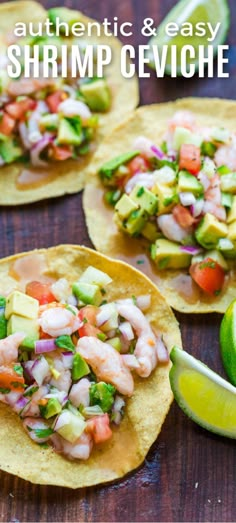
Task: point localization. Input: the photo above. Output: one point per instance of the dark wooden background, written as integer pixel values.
(189, 474)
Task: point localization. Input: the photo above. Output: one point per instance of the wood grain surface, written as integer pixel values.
(189, 474)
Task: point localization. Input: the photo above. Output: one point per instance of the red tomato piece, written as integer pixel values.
(54, 100)
(183, 216)
(18, 110)
(190, 158)
(209, 275)
(89, 330)
(89, 313)
(99, 428)
(7, 124)
(40, 291)
(137, 165)
(10, 379)
(61, 153)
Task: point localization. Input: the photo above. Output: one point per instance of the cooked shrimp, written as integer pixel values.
(31, 424)
(106, 363)
(26, 86)
(213, 199)
(57, 321)
(79, 393)
(182, 119)
(171, 229)
(143, 179)
(81, 449)
(9, 348)
(226, 155)
(145, 350)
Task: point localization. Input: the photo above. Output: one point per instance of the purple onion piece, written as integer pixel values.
(42, 346)
(191, 249)
(157, 152)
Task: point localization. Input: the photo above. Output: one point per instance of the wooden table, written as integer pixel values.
(189, 474)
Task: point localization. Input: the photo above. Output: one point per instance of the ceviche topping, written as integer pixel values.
(49, 119)
(180, 197)
(67, 358)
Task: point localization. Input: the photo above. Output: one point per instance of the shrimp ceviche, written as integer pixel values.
(68, 359)
(181, 197)
(43, 120)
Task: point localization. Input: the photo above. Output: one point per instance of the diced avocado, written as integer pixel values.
(97, 95)
(145, 199)
(184, 136)
(52, 408)
(87, 293)
(208, 149)
(169, 255)
(223, 169)
(227, 200)
(150, 231)
(189, 183)
(134, 224)
(19, 324)
(69, 134)
(228, 183)
(49, 122)
(79, 367)
(167, 198)
(21, 304)
(95, 277)
(209, 167)
(9, 151)
(112, 197)
(220, 134)
(107, 170)
(3, 327)
(218, 257)
(4, 81)
(71, 425)
(209, 231)
(69, 16)
(115, 343)
(125, 206)
(232, 231)
(227, 247)
(102, 394)
(232, 213)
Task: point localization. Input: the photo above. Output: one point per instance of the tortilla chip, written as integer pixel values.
(64, 177)
(151, 121)
(145, 412)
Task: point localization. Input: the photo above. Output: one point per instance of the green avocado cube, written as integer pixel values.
(228, 183)
(9, 151)
(125, 206)
(166, 196)
(87, 293)
(184, 136)
(69, 134)
(189, 183)
(52, 408)
(95, 277)
(210, 230)
(79, 367)
(169, 255)
(97, 95)
(115, 343)
(150, 231)
(135, 223)
(27, 325)
(71, 425)
(232, 213)
(102, 394)
(220, 134)
(145, 199)
(108, 169)
(22, 305)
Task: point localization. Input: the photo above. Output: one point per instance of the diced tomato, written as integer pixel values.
(190, 158)
(18, 110)
(61, 153)
(40, 291)
(10, 379)
(54, 100)
(89, 330)
(183, 216)
(7, 124)
(209, 275)
(89, 313)
(137, 165)
(99, 428)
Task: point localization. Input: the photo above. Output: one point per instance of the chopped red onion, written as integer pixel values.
(24, 134)
(40, 370)
(191, 249)
(117, 408)
(38, 148)
(143, 302)
(162, 352)
(21, 403)
(197, 207)
(158, 152)
(42, 346)
(204, 180)
(27, 366)
(187, 198)
(103, 316)
(67, 359)
(126, 330)
(130, 361)
(63, 419)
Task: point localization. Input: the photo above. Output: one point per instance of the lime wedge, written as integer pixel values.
(228, 342)
(193, 12)
(204, 396)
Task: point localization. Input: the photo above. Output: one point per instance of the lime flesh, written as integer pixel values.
(203, 395)
(228, 342)
(193, 12)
